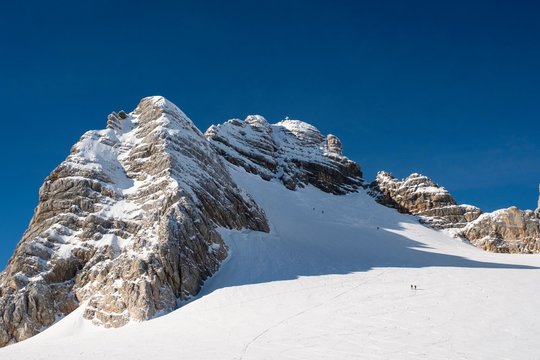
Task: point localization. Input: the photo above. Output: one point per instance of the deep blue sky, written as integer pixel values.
(448, 89)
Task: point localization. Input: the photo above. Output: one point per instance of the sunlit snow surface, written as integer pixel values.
(331, 281)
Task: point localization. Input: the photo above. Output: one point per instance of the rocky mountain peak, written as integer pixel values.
(125, 225)
(291, 151)
(504, 230)
(417, 194)
(128, 224)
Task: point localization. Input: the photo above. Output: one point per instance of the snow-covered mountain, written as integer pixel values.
(297, 256)
(332, 285)
(128, 222)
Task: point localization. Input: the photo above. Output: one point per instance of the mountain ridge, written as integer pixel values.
(127, 224)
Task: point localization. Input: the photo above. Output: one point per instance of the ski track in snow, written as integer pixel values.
(246, 348)
(330, 281)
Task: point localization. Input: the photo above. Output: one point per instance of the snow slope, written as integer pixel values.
(330, 281)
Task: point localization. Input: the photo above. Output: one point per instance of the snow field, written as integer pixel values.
(331, 281)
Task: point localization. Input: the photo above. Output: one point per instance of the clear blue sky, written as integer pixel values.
(448, 89)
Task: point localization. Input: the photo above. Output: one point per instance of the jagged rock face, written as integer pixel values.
(291, 151)
(507, 230)
(333, 144)
(451, 216)
(415, 193)
(419, 195)
(125, 225)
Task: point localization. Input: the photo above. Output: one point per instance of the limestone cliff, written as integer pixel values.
(417, 194)
(290, 151)
(506, 230)
(126, 224)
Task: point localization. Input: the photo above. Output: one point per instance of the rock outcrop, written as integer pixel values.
(126, 224)
(419, 195)
(507, 230)
(291, 151)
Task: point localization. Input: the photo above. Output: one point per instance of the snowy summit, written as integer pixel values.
(255, 240)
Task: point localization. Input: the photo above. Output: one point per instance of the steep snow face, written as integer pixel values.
(331, 280)
(125, 224)
(291, 151)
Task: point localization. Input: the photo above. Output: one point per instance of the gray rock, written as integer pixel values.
(127, 223)
(291, 151)
(507, 230)
(419, 195)
(333, 144)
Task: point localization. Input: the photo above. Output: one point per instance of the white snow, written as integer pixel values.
(331, 281)
(300, 128)
(430, 189)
